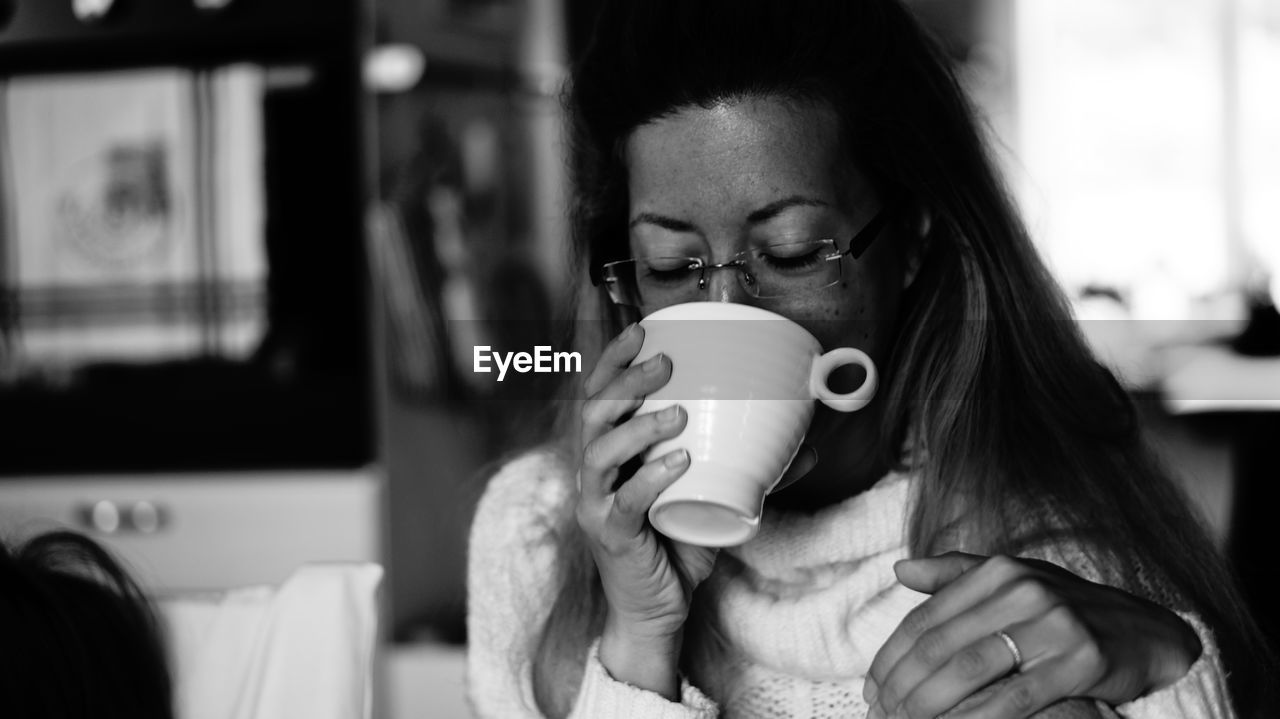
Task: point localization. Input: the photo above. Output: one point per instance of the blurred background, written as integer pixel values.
(248, 246)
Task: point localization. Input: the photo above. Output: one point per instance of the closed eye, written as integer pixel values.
(796, 257)
(666, 270)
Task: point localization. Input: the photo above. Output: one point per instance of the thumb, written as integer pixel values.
(929, 574)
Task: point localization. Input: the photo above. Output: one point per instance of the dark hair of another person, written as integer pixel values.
(1025, 437)
(78, 638)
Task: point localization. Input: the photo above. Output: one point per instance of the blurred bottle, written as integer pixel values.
(1261, 336)
(542, 66)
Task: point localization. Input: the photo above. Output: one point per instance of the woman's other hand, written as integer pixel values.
(647, 579)
(1076, 639)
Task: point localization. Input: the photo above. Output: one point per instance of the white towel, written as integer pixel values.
(304, 649)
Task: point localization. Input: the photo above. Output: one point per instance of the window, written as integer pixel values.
(1148, 134)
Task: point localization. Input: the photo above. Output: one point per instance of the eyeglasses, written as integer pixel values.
(771, 271)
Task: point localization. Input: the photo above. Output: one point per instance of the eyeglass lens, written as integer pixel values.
(771, 271)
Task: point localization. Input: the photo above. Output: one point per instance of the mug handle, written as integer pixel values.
(824, 365)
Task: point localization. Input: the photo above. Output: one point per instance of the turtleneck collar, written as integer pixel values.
(863, 525)
(814, 595)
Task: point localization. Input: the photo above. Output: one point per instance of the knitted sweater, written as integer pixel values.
(803, 608)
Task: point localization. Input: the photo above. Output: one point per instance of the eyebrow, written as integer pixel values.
(773, 209)
(764, 214)
(666, 223)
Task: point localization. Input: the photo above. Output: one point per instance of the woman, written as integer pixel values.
(1050, 559)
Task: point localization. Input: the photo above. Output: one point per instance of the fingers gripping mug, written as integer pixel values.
(748, 379)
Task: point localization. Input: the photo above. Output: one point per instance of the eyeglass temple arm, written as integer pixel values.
(867, 235)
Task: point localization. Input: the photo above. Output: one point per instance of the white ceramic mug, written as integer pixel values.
(747, 379)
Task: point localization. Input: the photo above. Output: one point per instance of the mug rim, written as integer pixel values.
(711, 310)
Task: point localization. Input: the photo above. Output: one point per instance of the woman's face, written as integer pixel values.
(714, 182)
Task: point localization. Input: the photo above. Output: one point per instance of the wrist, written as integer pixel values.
(644, 659)
(1178, 662)
(1192, 648)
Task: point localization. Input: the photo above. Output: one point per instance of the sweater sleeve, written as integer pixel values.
(603, 696)
(1202, 692)
(514, 569)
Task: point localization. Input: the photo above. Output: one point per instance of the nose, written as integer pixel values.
(727, 284)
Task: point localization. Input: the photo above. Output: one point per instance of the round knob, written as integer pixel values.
(92, 10)
(105, 517)
(145, 517)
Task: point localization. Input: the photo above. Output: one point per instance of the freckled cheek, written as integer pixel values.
(861, 316)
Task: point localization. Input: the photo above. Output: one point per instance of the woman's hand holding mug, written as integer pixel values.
(648, 580)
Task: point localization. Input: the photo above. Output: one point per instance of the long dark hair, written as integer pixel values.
(80, 638)
(1021, 437)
